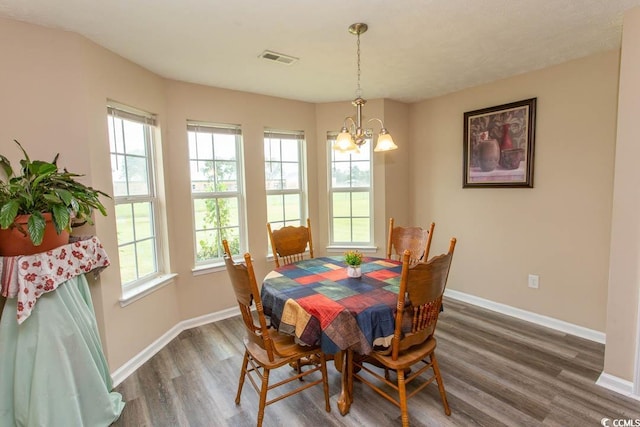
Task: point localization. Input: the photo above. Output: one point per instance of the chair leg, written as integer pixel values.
(263, 395)
(443, 394)
(243, 372)
(325, 381)
(402, 391)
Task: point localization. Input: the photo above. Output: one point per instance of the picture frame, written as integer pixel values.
(499, 145)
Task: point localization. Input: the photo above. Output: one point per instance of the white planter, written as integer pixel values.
(354, 271)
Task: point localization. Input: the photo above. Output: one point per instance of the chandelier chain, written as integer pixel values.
(358, 90)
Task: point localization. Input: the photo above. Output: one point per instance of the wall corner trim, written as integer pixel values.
(617, 384)
(139, 359)
(529, 316)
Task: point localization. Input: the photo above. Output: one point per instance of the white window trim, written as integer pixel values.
(217, 264)
(144, 285)
(365, 246)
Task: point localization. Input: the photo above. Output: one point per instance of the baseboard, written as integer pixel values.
(617, 384)
(529, 316)
(139, 359)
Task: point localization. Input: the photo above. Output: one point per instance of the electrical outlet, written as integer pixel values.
(534, 281)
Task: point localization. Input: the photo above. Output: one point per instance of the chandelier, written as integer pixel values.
(352, 135)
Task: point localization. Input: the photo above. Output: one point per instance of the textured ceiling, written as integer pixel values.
(414, 49)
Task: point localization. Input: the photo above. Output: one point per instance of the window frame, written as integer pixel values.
(149, 123)
(301, 191)
(331, 190)
(239, 194)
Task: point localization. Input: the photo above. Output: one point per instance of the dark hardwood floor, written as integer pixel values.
(497, 370)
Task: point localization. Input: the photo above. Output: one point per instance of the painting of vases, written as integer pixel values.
(498, 145)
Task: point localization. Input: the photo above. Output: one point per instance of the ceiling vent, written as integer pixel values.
(269, 55)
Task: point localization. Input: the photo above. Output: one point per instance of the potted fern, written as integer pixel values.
(39, 204)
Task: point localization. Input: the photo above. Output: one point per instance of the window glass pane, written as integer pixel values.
(224, 147)
(119, 175)
(342, 229)
(292, 207)
(203, 146)
(275, 208)
(341, 175)
(146, 257)
(205, 213)
(291, 176)
(360, 229)
(134, 138)
(272, 149)
(233, 238)
(124, 223)
(360, 204)
(137, 175)
(360, 174)
(290, 149)
(143, 220)
(273, 175)
(229, 212)
(341, 204)
(226, 176)
(128, 271)
(207, 245)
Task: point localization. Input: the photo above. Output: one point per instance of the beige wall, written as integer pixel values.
(622, 304)
(559, 229)
(204, 294)
(55, 86)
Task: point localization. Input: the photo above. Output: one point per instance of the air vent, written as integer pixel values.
(269, 55)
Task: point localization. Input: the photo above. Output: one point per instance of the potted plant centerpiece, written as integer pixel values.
(39, 204)
(353, 260)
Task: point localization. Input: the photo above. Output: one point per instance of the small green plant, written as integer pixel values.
(42, 188)
(353, 258)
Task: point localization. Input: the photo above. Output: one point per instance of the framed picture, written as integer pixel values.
(498, 145)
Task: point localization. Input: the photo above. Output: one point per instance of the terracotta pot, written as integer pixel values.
(14, 243)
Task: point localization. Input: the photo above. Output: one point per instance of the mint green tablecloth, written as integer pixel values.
(52, 368)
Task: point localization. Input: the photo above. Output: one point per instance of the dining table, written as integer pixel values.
(316, 301)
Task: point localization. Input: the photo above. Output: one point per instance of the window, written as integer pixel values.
(132, 171)
(216, 189)
(284, 178)
(350, 196)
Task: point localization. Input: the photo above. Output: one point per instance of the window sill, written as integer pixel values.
(133, 295)
(200, 270)
(342, 248)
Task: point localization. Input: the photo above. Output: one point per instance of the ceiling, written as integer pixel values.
(414, 49)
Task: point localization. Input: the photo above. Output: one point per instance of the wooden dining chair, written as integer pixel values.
(266, 349)
(419, 299)
(416, 239)
(289, 243)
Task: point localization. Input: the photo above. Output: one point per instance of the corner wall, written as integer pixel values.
(560, 228)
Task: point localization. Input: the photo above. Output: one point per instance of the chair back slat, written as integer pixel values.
(415, 239)
(422, 286)
(289, 243)
(245, 287)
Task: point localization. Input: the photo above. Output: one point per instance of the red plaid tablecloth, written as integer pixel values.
(27, 277)
(318, 303)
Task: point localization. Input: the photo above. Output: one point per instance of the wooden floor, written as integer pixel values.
(497, 370)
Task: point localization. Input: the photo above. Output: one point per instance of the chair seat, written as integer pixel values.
(286, 350)
(407, 357)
